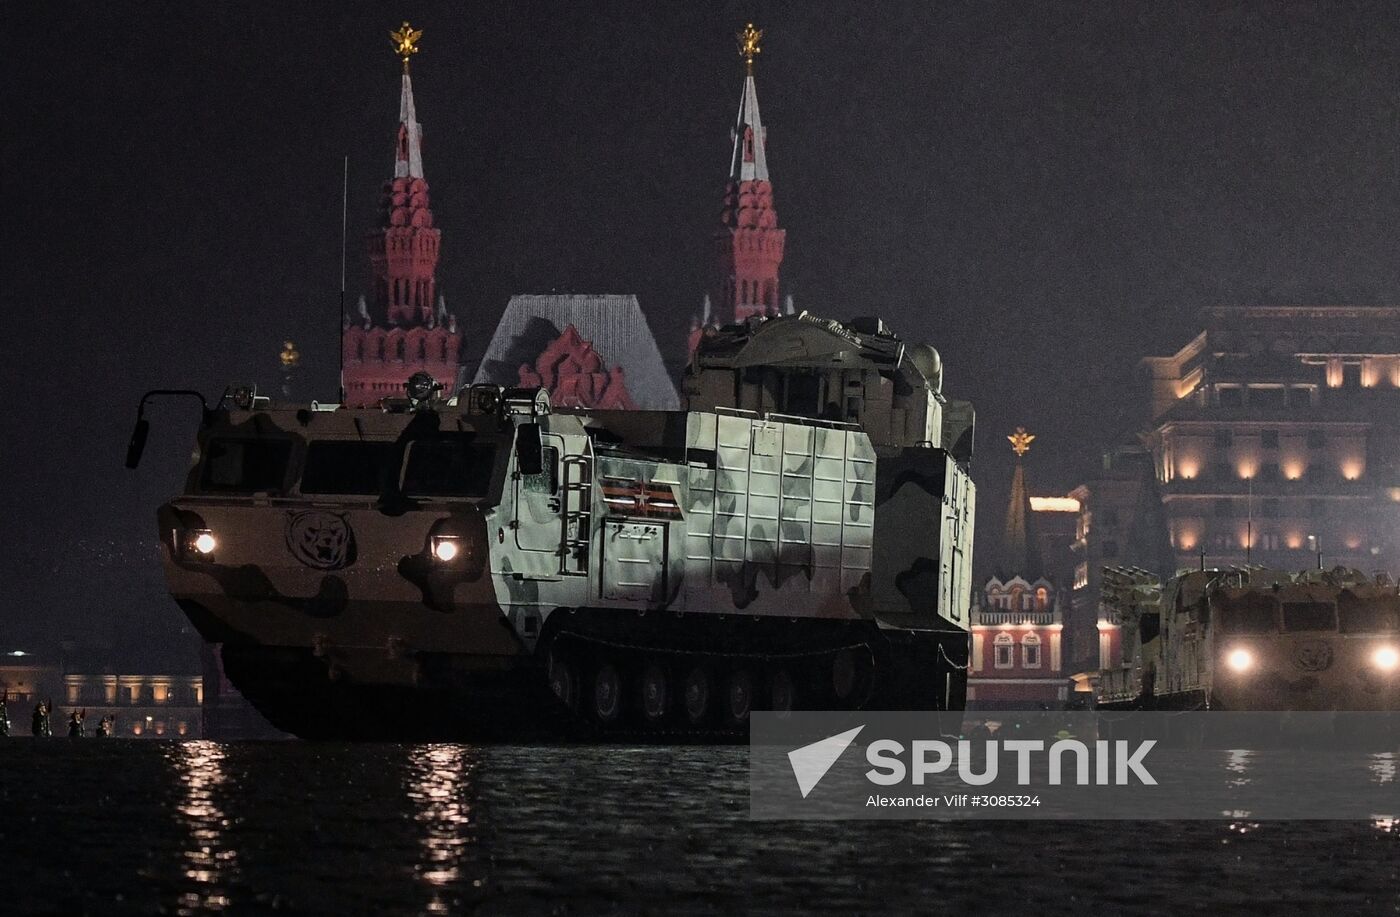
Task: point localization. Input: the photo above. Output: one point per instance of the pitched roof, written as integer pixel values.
(613, 323)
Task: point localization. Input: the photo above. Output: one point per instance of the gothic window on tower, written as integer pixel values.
(748, 144)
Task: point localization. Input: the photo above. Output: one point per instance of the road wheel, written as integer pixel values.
(781, 692)
(843, 675)
(562, 680)
(607, 693)
(655, 692)
(697, 694)
(738, 695)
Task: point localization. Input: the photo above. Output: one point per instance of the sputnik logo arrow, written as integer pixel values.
(811, 762)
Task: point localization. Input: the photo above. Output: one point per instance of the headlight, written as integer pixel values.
(1386, 658)
(446, 548)
(1240, 660)
(198, 543)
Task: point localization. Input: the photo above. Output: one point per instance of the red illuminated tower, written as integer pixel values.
(748, 244)
(406, 329)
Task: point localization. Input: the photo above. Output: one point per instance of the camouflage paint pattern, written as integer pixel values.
(720, 513)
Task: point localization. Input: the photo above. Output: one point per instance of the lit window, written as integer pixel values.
(1030, 651)
(1003, 647)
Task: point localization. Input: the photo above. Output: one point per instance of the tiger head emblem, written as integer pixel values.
(320, 539)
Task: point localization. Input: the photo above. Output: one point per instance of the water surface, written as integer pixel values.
(104, 827)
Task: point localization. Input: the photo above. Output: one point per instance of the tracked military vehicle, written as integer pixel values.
(1254, 639)
(489, 566)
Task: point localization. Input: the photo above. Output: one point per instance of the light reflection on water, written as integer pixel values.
(404, 830)
(1238, 762)
(439, 779)
(1382, 766)
(209, 861)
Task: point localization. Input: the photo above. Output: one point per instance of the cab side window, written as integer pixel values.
(547, 481)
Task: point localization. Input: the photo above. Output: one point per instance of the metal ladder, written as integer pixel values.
(577, 515)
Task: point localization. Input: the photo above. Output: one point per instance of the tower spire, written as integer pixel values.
(749, 244)
(408, 155)
(749, 161)
(1017, 557)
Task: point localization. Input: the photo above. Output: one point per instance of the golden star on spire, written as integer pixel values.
(406, 42)
(1021, 441)
(748, 44)
(289, 356)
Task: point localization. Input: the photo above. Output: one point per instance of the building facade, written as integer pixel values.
(1120, 522)
(147, 706)
(1271, 438)
(1017, 660)
(1274, 435)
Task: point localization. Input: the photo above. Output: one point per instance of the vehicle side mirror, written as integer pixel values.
(137, 444)
(529, 454)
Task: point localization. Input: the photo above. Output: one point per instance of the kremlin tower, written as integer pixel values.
(748, 243)
(405, 328)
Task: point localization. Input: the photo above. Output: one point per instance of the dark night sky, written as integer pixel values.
(1045, 192)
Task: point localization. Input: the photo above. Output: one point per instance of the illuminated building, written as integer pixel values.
(1273, 435)
(1120, 522)
(1017, 660)
(147, 706)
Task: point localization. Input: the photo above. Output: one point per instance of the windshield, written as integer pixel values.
(449, 465)
(245, 465)
(1249, 615)
(1375, 616)
(1309, 616)
(347, 467)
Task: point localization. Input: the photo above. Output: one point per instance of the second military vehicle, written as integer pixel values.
(1254, 639)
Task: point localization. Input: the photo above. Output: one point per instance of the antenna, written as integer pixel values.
(1249, 526)
(344, 203)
